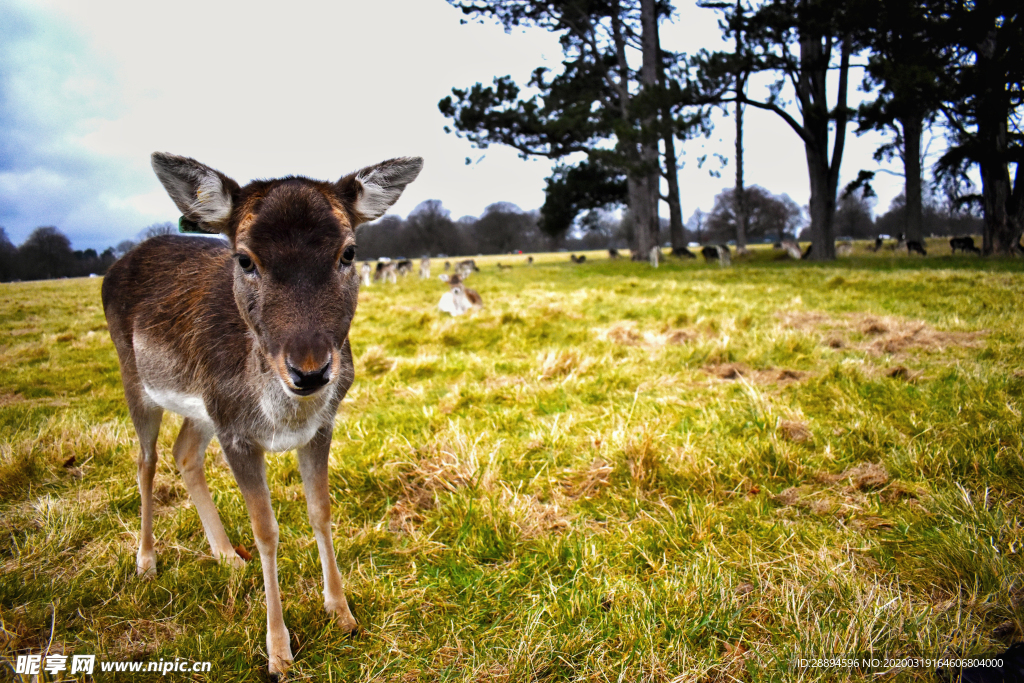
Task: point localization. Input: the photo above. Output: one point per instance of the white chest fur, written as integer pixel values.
(183, 404)
(291, 421)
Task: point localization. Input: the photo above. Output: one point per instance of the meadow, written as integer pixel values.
(610, 473)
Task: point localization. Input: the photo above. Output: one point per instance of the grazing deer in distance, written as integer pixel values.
(459, 298)
(247, 340)
(466, 268)
(386, 271)
(425, 268)
(366, 271)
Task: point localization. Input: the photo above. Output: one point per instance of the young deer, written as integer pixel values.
(459, 298)
(248, 341)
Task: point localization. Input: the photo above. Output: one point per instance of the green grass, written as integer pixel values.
(610, 473)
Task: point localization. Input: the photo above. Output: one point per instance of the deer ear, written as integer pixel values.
(371, 191)
(204, 195)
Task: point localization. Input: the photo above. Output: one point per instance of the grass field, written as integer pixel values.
(611, 473)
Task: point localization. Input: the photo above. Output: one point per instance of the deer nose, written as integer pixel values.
(309, 382)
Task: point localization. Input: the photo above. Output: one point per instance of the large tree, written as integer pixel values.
(986, 39)
(742, 65)
(766, 215)
(905, 70)
(598, 107)
(802, 41)
(46, 254)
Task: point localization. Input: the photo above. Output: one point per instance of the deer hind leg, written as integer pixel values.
(147, 425)
(249, 468)
(313, 467)
(189, 454)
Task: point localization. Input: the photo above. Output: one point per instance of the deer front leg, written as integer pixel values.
(249, 468)
(313, 467)
(189, 450)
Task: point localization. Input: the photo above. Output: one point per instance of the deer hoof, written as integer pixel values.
(278, 668)
(232, 560)
(145, 565)
(343, 617)
(280, 656)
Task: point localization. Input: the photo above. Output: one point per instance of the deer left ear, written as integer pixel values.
(371, 191)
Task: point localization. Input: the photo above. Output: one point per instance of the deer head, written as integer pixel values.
(295, 281)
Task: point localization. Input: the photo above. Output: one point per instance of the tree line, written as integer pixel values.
(614, 115)
(504, 228)
(47, 254)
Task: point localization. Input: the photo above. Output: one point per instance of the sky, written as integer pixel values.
(316, 88)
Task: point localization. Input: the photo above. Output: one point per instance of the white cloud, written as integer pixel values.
(262, 89)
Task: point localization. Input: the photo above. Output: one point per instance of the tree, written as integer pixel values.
(8, 257)
(597, 107)
(983, 112)
(46, 254)
(502, 228)
(696, 225)
(853, 217)
(801, 41)
(734, 24)
(123, 247)
(906, 64)
(429, 229)
(768, 215)
(158, 229)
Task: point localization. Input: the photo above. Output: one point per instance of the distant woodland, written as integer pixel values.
(429, 230)
(616, 116)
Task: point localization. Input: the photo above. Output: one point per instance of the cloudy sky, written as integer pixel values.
(315, 88)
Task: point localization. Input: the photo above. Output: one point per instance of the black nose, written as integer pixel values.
(308, 382)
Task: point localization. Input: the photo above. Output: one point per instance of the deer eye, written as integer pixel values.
(348, 256)
(245, 263)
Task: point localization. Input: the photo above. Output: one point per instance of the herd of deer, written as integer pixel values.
(247, 340)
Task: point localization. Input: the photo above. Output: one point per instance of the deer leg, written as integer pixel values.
(147, 426)
(189, 451)
(249, 468)
(313, 467)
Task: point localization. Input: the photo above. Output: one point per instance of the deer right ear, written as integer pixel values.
(204, 195)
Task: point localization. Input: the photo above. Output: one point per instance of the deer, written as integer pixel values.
(248, 340)
(459, 298)
(425, 268)
(366, 272)
(386, 271)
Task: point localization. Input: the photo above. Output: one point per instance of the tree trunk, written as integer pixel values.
(649, 138)
(913, 127)
(811, 89)
(823, 173)
(742, 218)
(1000, 230)
(675, 210)
(641, 211)
(741, 196)
(822, 205)
(642, 193)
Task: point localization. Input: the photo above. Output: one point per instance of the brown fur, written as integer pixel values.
(258, 359)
